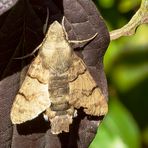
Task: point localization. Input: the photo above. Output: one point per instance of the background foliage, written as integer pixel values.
(126, 66)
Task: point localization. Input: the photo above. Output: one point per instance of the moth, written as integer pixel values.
(57, 83)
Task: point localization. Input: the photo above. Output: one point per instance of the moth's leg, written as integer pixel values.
(49, 114)
(72, 111)
(83, 41)
(46, 22)
(66, 35)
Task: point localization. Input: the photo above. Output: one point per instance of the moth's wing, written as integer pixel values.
(33, 96)
(84, 91)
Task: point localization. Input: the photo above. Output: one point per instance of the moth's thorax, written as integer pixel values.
(56, 51)
(56, 56)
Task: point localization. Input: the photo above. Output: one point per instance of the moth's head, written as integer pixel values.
(55, 32)
(55, 38)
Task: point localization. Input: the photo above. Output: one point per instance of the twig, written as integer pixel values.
(140, 17)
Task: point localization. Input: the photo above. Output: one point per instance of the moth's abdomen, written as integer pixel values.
(58, 88)
(59, 92)
(60, 113)
(62, 106)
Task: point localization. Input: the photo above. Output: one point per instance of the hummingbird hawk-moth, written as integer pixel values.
(57, 83)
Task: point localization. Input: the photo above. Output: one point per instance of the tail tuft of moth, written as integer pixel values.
(60, 124)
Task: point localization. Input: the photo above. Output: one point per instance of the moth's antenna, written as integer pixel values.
(30, 54)
(83, 41)
(37, 48)
(46, 22)
(66, 35)
(76, 41)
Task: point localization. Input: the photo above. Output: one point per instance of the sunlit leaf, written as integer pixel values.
(126, 77)
(140, 38)
(118, 130)
(105, 3)
(127, 5)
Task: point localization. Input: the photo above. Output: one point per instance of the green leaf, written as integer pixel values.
(118, 129)
(105, 3)
(128, 76)
(127, 5)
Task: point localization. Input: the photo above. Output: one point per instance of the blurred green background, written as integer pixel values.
(126, 67)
